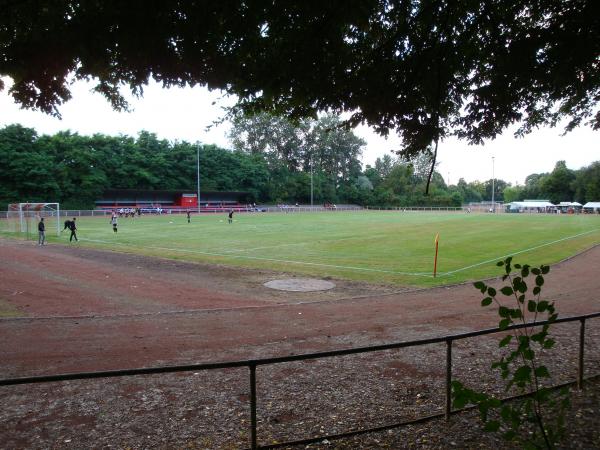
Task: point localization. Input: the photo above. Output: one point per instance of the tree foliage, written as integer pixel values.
(587, 182)
(537, 420)
(75, 169)
(427, 69)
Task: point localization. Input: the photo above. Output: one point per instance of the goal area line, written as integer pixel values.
(352, 268)
(259, 258)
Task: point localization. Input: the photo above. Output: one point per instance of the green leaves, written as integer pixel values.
(528, 354)
(486, 301)
(492, 425)
(519, 366)
(505, 341)
(519, 285)
(481, 286)
(507, 290)
(542, 372)
(522, 376)
(503, 311)
(542, 306)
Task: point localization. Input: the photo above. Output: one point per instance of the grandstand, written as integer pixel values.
(172, 200)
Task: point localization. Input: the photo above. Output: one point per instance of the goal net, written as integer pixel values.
(24, 217)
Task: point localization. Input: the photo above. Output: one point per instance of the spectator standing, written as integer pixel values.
(41, 232)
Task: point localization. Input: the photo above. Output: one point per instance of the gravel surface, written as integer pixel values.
(77, 309)
(210, 409)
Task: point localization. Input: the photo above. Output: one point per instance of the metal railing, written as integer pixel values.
(266, 208)
(252, 364)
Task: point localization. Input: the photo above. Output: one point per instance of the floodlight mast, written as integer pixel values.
(493, 187)
(311, 181)
(198, 176)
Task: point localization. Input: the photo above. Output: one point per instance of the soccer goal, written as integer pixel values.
(24, 217)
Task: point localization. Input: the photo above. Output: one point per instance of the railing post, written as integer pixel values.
(581, 346)
(448, 378)
(253, 444)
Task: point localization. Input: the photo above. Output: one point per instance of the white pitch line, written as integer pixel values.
(354, 238)
(362, 269)
(519, 252)
(285, 261)
(239, 250)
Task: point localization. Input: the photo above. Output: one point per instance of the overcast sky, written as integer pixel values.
(184, 114)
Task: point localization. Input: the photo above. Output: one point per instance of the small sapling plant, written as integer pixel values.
(537, 420)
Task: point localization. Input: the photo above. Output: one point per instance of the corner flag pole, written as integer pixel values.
(437, 238)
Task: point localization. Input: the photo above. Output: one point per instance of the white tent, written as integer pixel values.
(592, 205)
(567, 204)
(530, 204)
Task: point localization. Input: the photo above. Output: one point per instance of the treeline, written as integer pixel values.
(272, 159)
(74, 170)
(560, 185)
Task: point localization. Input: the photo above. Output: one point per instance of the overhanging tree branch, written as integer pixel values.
(504, 62)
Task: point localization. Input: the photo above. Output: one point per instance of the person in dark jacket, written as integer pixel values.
(41, 232)
(230, 216)
(73, 229)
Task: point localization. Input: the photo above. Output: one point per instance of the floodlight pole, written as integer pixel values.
(311, 182)
(198, 174)
(493, 187)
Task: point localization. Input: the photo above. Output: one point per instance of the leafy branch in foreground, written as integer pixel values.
(540, 414)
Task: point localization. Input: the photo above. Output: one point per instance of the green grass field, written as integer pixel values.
(380, 247)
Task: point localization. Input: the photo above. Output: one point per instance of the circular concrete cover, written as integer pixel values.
(300, 284)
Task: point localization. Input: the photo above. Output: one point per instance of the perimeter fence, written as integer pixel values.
(66, 213)
(252, 364)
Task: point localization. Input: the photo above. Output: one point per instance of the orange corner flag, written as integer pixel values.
(437, 238)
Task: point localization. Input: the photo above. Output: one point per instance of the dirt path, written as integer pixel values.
(77, 309)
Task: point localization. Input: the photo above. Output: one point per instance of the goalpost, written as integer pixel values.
(24, 217)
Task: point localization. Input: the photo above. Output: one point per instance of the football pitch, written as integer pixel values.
(380, 247)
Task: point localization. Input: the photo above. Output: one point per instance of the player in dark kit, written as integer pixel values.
(41, 232)
(230, 217)
(188, 215)
(73, 229)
